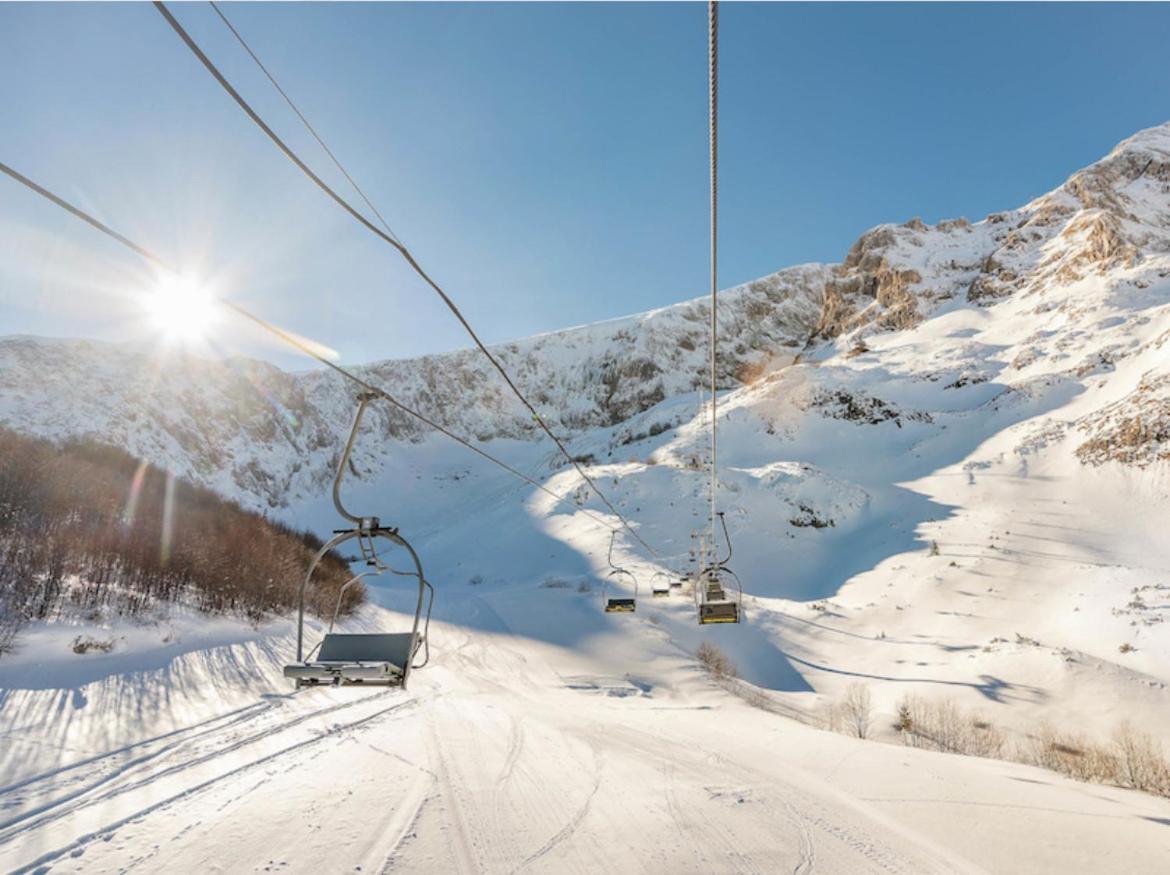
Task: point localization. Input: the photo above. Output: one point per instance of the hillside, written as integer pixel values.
(944, 466)
(89, 533)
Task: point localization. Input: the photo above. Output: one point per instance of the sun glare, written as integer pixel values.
(180, 309)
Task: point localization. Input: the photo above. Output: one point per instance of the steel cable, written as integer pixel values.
(403, 251)
(293, 341)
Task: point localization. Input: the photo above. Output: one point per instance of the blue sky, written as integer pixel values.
(547, 163)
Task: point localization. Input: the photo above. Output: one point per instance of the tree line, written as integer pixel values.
(86, 526)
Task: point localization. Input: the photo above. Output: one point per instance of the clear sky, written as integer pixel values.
(547, 163)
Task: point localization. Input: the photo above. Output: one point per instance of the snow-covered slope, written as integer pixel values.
(945, 465)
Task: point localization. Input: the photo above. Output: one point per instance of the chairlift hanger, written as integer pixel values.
(712, 601)
(618, 604)
(362, 658)
(660, 590)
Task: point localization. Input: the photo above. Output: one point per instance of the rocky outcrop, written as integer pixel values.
(1134, 431)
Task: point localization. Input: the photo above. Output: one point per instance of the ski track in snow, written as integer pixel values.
(77, 847)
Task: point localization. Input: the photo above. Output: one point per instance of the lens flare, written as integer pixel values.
(180, 309)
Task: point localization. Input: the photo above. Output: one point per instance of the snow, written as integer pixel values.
(976, 401)
(563, 740)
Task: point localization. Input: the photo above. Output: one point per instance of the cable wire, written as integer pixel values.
(295, 342)
(304, 121)
(403, 251)
(713, 129)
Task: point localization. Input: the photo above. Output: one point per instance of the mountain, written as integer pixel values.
(943, 464)
(268, 438)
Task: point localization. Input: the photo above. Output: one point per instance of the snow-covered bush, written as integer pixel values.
(715, 661)
(942, 725)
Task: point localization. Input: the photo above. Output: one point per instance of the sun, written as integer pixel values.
(180, 309)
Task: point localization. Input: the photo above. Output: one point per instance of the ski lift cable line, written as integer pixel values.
(713, 129)
(308, 126)
(406, 255)
(295, 342)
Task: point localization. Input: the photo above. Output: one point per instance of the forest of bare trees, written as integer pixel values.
(85, 527)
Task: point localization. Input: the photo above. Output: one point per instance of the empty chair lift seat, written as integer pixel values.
(619, 606)
(378, 658)
(719, 612)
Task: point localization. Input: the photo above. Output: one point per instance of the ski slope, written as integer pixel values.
(512, 754)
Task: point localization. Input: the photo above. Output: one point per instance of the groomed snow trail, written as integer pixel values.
(513, 755)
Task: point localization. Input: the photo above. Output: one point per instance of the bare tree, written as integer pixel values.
(858, 707)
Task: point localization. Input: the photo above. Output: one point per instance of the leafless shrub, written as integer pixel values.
(831, 716)
(942, 725)
(858, 710)
(584, 587)
(1140, 761)
(1069, 753)
(555, 583)
(1130, 759)
(715, 661)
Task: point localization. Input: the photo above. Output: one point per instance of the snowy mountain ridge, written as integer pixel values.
(269, 438)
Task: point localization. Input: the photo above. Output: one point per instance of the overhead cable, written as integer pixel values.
(403, 251)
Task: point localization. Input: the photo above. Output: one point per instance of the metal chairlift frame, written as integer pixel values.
(711, 601)
(346, 658)
(618, 604)
(663, 590)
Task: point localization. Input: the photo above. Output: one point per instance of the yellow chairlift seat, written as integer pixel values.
(719, 612)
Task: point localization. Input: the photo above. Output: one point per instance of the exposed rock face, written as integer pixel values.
(869, 274)
(1105, 218)
(1134, 430)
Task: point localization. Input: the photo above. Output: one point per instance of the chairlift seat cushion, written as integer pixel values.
(396, 648)
(619, 606)
(359, 658)
(719, 612)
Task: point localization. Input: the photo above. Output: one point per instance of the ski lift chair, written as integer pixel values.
(618, 604)
(660, 585)
(715, 605)
(712, 600)
(362, 658)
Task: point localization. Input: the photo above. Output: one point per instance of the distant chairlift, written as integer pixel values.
(714, 603)
(660, 585)
(362, 658)
(618, 604)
